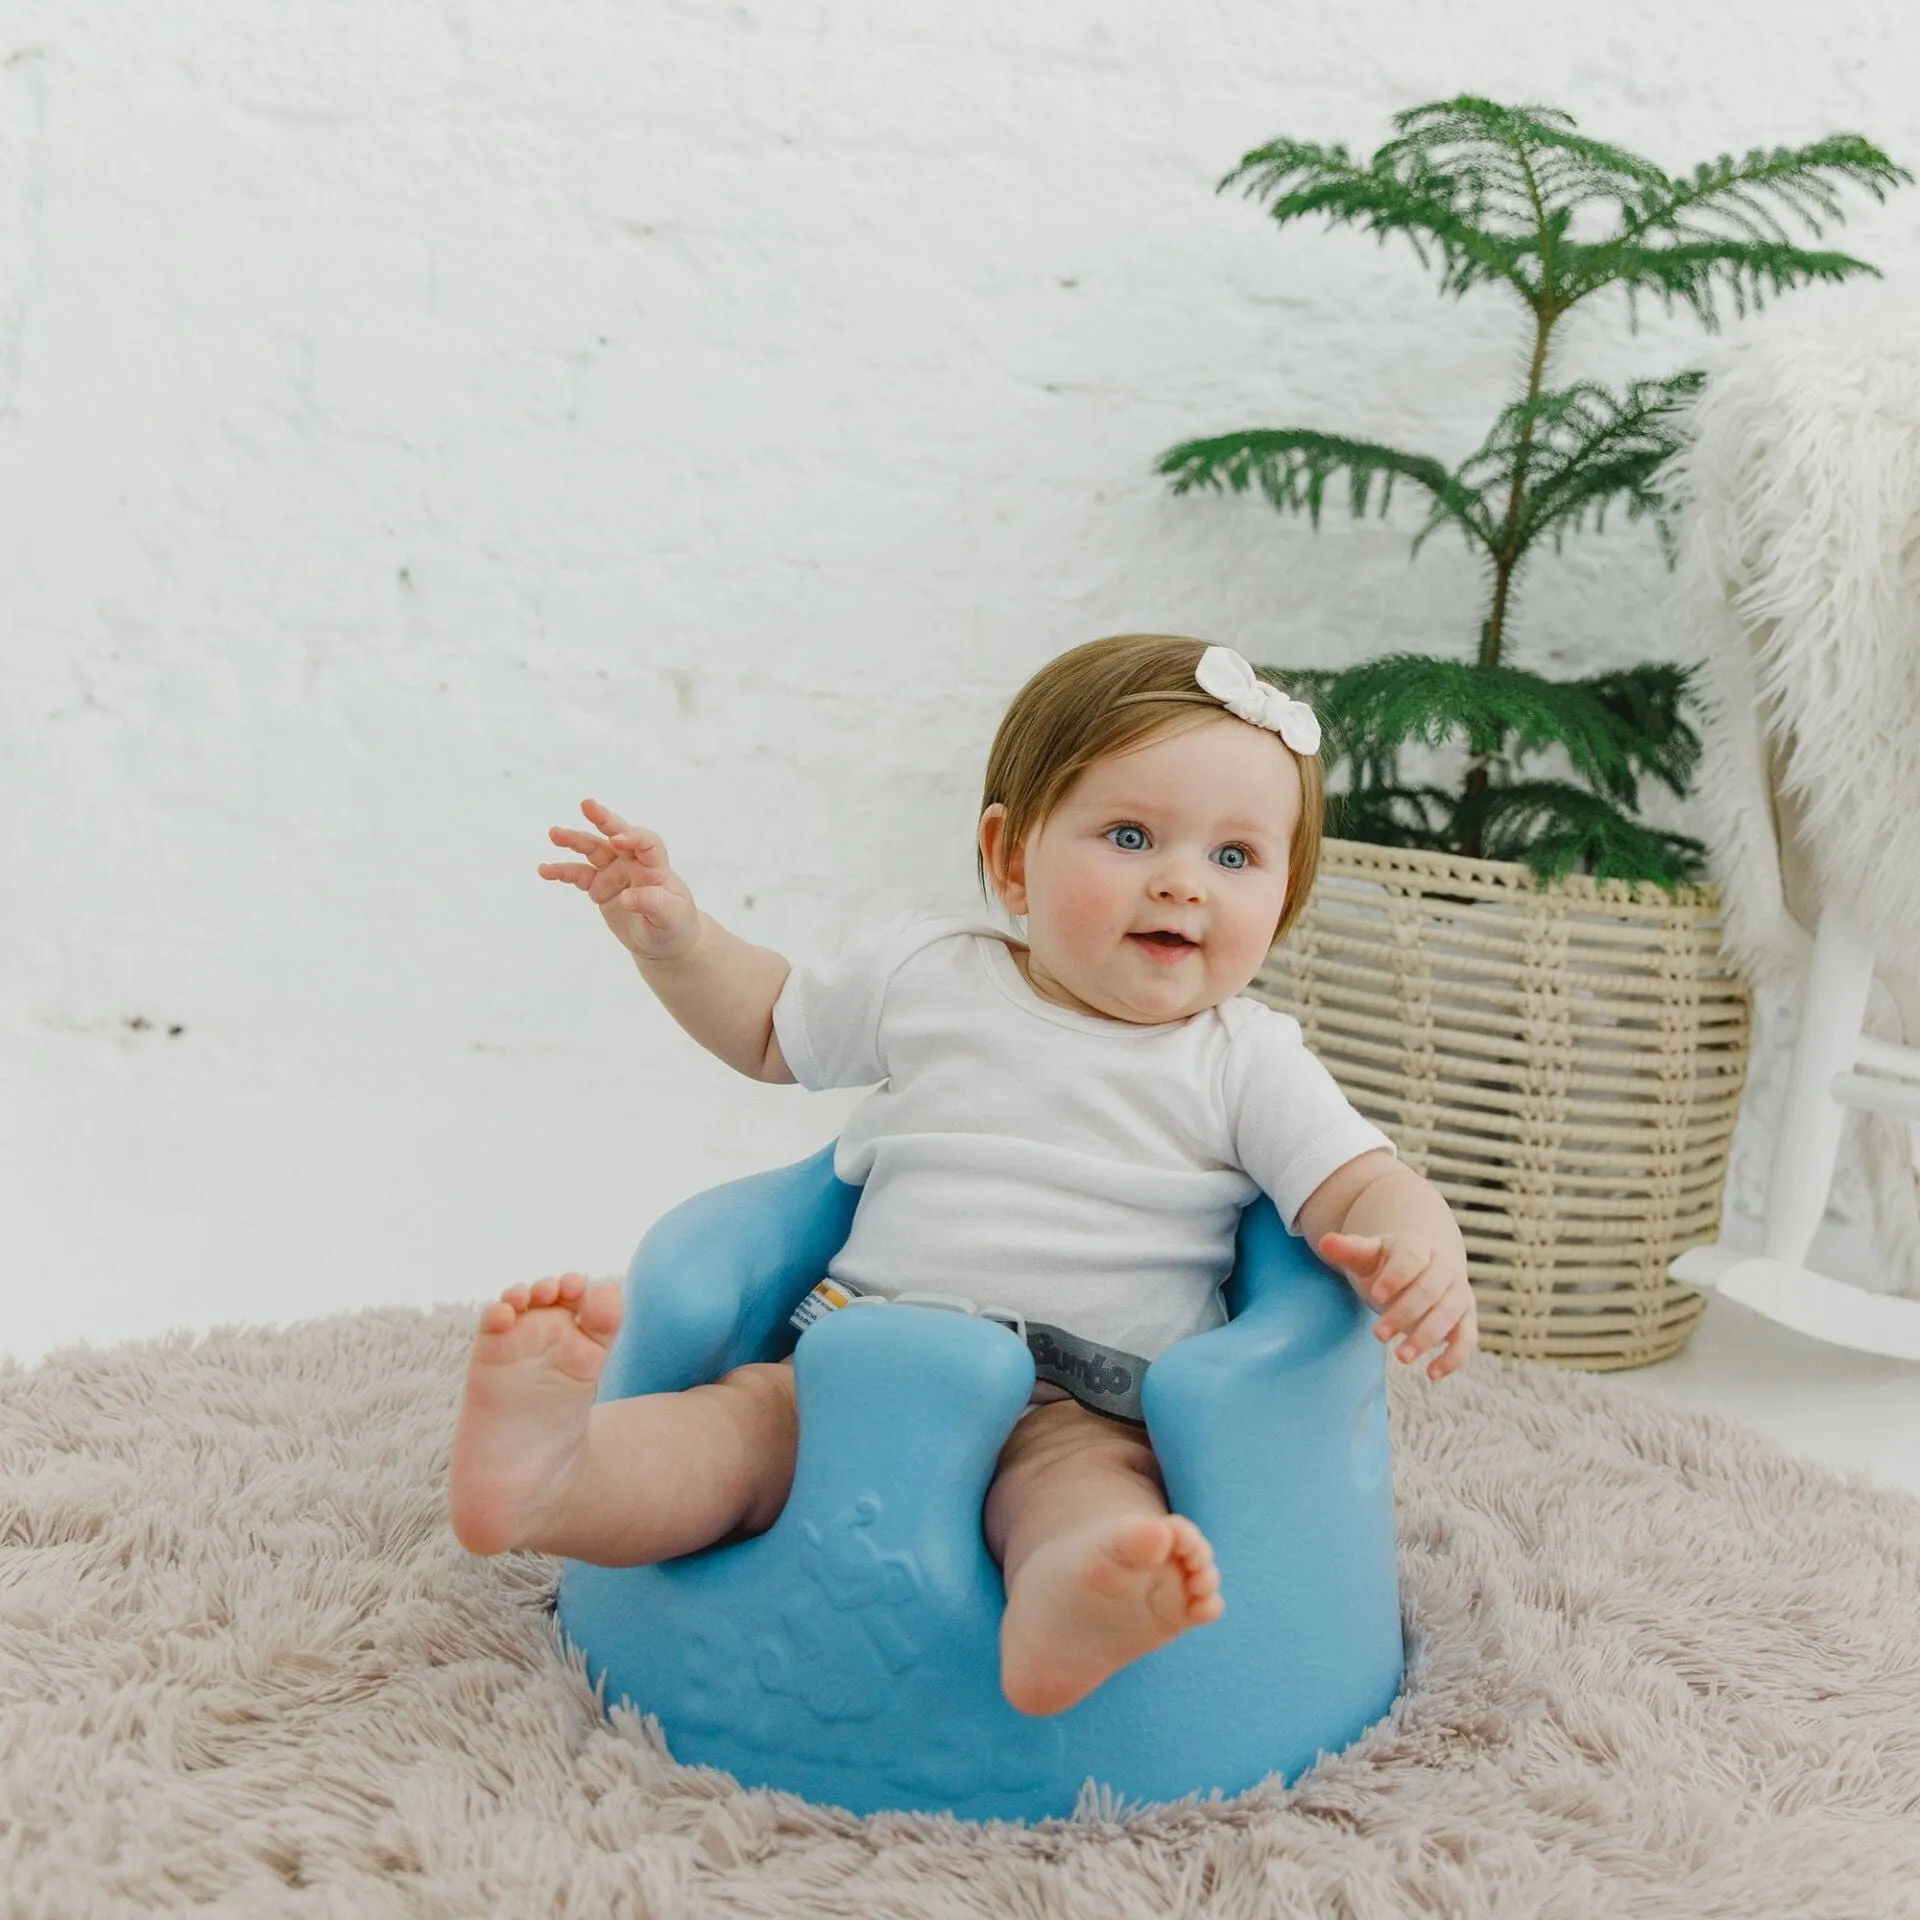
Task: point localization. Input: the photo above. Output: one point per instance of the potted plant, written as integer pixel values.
(1512, 970)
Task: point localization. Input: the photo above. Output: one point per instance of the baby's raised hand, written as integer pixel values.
(1418, 1287)
(648, 906)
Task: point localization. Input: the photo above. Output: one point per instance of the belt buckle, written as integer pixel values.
(946, 1302)
(1011, 1321)
(958, 1303)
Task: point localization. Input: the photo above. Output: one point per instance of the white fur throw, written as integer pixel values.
(1799, 579)
(1657, 1670)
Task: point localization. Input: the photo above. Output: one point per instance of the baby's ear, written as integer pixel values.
(1006, 874)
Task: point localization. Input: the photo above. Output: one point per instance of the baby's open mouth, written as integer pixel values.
(1164, 939)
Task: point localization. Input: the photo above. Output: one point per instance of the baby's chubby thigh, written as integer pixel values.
(1052, 1432)
(1064, 1463)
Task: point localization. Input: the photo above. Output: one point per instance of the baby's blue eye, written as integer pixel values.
(1242, 859)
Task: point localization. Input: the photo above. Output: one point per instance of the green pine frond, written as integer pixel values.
(1394, 194)
(1648, 702)
(1584, 448)
(1730, 189)
(1730, 193)
(1461, 167)
(1527, 164)
(1374, 710)
(1688, 272)
(1292, 466)
(1557, 829)
(1393, 816)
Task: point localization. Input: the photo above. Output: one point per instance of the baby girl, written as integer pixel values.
(1063, 1128)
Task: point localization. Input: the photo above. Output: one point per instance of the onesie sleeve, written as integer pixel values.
(1291, 1125)
(828, 1016)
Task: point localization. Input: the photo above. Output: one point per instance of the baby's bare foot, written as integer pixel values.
(1086, 1604)
(523, 1423)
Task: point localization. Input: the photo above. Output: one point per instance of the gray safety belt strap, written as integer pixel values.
(1103, 1378)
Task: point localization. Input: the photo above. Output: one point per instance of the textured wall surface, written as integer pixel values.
(416, 416)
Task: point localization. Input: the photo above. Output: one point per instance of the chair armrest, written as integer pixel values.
(1289, 1392)
(715, 1278)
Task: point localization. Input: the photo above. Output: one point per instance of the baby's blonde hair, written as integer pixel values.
(1102, 698)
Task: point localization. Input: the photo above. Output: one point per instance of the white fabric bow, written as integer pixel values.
(1227, 676)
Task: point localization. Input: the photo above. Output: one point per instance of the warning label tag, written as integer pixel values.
(823, 1300)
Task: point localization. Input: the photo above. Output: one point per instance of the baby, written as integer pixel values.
(1064, 1129)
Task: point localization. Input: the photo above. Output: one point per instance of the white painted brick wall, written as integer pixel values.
(415, 415)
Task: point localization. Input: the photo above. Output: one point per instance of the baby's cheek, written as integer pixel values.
(1090, 908)
(1253, 927)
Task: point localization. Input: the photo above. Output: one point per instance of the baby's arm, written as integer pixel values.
(1396, 1239)
(720, 989)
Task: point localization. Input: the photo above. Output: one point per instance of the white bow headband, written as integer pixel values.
(1227, 676)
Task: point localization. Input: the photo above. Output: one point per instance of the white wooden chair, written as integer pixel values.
(1800, 576)
(1836, 1065)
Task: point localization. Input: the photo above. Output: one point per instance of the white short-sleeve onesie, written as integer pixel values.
(1068, 1168)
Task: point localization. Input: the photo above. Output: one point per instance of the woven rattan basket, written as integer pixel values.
(1563, 1060)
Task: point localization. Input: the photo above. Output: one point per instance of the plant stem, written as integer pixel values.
(1545, 312)
(1508, 552)
(1507, 555)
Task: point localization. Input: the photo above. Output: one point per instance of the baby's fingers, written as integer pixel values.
(1358, 1253)
(1430, 1328)
(615, 828)
(646, 847)
(590, 844)
(1406, 1277)
(575, 876)
(1462, 1337)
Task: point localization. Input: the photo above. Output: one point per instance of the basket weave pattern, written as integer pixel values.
(1563, 1060)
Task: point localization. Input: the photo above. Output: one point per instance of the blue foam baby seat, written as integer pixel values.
(850, 1654)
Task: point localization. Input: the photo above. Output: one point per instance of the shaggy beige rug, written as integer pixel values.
(1656, 1667)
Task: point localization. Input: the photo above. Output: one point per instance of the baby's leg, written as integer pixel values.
(536, 1464)
(1097, 1571)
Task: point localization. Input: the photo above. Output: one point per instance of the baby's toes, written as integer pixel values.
(598, 1311)
(1190, 1544)
(1142, 1546)
(1198, 1569)
(497, 1316)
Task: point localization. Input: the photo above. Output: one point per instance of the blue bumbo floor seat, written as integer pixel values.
(850, 1654)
